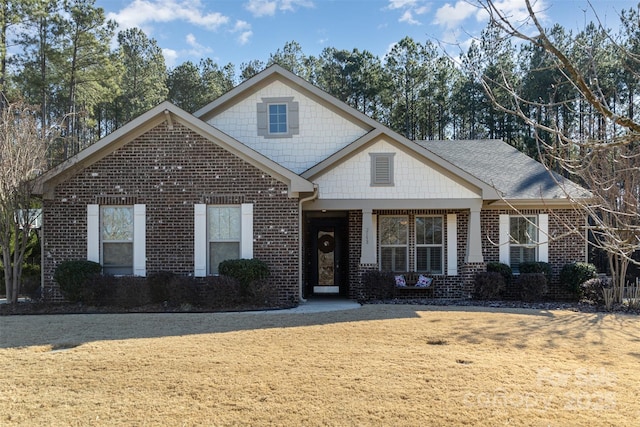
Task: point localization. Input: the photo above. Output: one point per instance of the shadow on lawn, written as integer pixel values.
(72, 330)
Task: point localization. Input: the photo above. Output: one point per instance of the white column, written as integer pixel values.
(368, 248)
(452, 245)
(474, 239)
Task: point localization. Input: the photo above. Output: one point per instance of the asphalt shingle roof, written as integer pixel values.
(511, 172)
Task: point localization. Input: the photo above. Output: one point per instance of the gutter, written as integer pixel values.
(300, 266)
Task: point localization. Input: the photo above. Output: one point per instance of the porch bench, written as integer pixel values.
(414, 283)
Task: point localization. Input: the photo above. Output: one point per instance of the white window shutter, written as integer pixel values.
(199, 240)
(452, 245)
(504, 239)
(93, 233)
(543, 237)
(246, 230)
(139, 241)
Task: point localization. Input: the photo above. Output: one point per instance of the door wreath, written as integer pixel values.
(326, 243)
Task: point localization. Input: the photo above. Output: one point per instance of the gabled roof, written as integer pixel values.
(166, 111)
(275, 73)
(488, 192)
(514, 174)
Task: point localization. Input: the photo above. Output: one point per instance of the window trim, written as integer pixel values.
(292, 117)
(375, 179)
(200, 236)
(440, 245)
(94, 236)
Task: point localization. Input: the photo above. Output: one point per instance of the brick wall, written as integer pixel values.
(169, 171)
(564, 247)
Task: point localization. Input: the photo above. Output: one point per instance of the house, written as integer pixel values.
(279, 170)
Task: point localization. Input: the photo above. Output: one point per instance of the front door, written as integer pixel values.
(328, 256)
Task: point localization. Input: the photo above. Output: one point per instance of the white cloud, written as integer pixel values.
(196, 48)
(451, 16)
(259, 8)
(142, 13)
(411, 9)
(244, 28)
(407, 17)
(170, 57)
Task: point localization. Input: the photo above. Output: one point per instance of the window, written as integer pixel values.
(278, 117)
(116, 233)
(116, 238)
(523, 239)
(394, 239)
(223, 230)
(382, 169)
(429, 244)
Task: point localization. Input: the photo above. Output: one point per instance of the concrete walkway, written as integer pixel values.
(319, 305)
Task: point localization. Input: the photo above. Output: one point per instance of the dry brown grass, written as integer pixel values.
(378, 365)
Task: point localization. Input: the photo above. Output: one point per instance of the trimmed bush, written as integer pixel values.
(220, 292)
(245, 271)
(503, 269)
(159, 283)
(533, 286)
(131, 292)
(377, 285)
(31, 281)
(536, 267)
(72, 277)
(575, 274)
(182, 290)
(489, 285)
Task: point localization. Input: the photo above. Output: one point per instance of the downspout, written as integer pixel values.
(300, 250)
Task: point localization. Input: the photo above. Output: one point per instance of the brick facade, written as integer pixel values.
(170, 170)
(563, 248)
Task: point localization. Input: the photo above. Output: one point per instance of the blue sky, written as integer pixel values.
(238, 31)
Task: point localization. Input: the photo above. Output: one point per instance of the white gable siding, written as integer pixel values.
(322, 132)
(412, 179)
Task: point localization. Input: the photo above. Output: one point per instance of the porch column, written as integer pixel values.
(368, 241)
(474, 237)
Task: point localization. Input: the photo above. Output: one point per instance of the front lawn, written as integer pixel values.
(376, 365)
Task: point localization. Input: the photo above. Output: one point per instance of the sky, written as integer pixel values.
(238, 31)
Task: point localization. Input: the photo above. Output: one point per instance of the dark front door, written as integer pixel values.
(328, 256)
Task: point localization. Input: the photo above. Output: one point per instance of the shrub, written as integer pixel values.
(130, 292)
(489, 285)
(377, 285)
(99, 291)
(533, 286)
(574, 274)
(245, 271)
(593, 289)
(220, 292)
(72, 277)
(182, 290)
(503, 269)
(159, 283)
(536, 267)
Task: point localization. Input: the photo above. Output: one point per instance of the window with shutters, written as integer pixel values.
(382, 169)
(278, 117)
